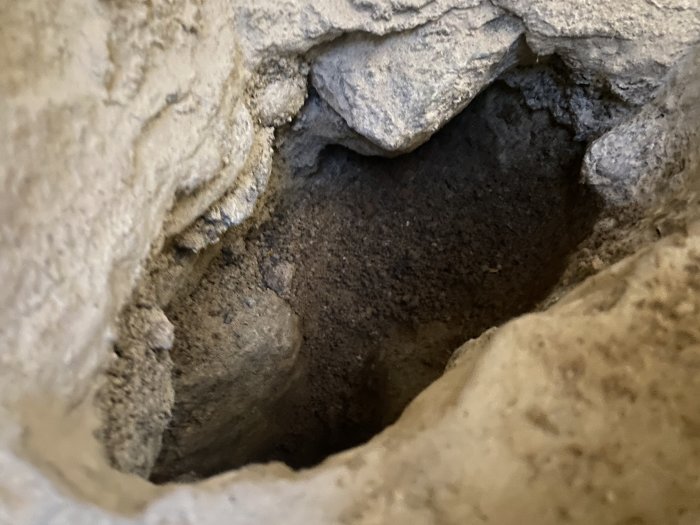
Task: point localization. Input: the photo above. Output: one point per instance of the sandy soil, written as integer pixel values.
(388, 266)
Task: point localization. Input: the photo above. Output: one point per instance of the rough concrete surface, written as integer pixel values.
(380, 309)
(631, 46)
(133, 135)
(422, 77)
(317, 126)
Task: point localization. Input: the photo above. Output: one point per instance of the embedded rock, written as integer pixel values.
(279, 89)
(652, 153)
(422, 77)
(633, 44)
(425, 76)
(317, 126)
(578, 100)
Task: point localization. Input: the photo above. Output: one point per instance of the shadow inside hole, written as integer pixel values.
(388, 265)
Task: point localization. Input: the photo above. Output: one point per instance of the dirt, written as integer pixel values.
(387, 266)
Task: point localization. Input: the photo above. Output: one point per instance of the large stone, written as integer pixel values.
(398, 90)
(422, 77)
(632, 44)
(648, 154)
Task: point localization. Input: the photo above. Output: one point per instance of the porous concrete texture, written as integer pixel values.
(576, 99)
(133, 134)
(139, 396)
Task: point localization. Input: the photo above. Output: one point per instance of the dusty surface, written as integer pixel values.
(390, 265)
(152, 101)
(138, 397)
(124, 123)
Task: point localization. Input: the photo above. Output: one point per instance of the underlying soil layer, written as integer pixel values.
(349, 298)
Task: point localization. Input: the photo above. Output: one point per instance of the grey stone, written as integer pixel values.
(577, 100)
(630, 47)
(649, 153)
(317, 126)
(240, 362)
(422, 77)
(633, 43)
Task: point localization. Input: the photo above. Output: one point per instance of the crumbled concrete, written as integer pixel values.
(138, 396)
(123, 123)
(278, 90)
(575, 99)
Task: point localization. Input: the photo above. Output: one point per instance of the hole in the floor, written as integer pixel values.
(314, 331)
